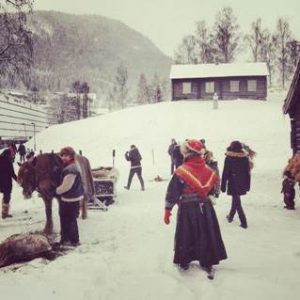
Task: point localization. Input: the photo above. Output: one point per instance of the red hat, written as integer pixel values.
(195, 146)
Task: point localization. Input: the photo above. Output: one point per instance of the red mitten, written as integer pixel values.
(167, 216)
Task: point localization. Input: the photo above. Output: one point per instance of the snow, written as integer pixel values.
(218, 70)
(127, 252)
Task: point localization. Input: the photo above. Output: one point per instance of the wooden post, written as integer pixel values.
(153, 158)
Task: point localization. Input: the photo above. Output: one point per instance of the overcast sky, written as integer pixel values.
(165, 22)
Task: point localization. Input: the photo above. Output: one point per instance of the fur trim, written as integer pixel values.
(236, 154)
(186, 151)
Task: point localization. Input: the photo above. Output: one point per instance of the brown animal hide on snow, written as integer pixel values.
(23, 247)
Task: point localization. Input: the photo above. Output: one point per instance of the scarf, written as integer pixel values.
(199, 177)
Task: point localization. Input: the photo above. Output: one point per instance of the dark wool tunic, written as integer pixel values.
(236, 174)
(6, 174)
(77, 188)
(134, 157)
(197, 235)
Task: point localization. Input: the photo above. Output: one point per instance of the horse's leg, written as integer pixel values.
(83, 204)
(49, 222)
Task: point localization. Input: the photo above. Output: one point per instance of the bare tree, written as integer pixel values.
(254, 39)
(268, 52)
(294, 50)
(186, 53)
(283, 38)
(15, 38)
(62, 108)
(205, 47)
(226, 35)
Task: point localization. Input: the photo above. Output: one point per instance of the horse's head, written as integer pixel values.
(27, 177)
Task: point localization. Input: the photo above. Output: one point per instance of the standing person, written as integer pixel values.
(288, 190)
(170, 151)
(215, 101)
(13, 151)
(7, 173)
(213, 164)
(177, 156)
(134, 156)
(236, 180)
(197, 235)
(71, 192)
(22, 152)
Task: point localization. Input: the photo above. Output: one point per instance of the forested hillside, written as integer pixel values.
(89, 48)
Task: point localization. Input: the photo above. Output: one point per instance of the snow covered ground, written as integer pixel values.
(126, 252)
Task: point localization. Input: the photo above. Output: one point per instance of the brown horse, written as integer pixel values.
(42, 173)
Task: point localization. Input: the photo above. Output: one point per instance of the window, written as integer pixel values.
(186, 87)
(234, 85)
(209, 87)
(251, 85)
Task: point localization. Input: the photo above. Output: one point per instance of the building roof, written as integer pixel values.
(293, 92)
(218, 70)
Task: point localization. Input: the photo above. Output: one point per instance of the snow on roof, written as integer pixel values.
(218, 70)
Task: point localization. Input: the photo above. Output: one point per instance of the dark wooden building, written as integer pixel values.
(228, 81)
(291, 106)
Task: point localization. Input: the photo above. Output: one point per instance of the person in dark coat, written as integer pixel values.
(170, 152)
(177, 156)
(22, 152)
(7, 173)
(13, 151)
(134, 156)
(197, 235)
(236, 179)
(213, 164)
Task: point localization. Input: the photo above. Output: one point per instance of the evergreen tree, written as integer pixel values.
(82, 99)
(85, 89)
(155, 88)
(143, 92)
(118, 93)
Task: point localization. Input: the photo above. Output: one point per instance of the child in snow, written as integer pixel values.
(288, 190)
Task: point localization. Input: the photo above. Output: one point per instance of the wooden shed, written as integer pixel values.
(291, 106)
(228, 81)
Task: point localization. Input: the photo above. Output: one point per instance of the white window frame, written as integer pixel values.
(209, 87)
(186, 87)
(252, 85)
(234, 86)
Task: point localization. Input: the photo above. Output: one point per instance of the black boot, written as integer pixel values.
(184, 266)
